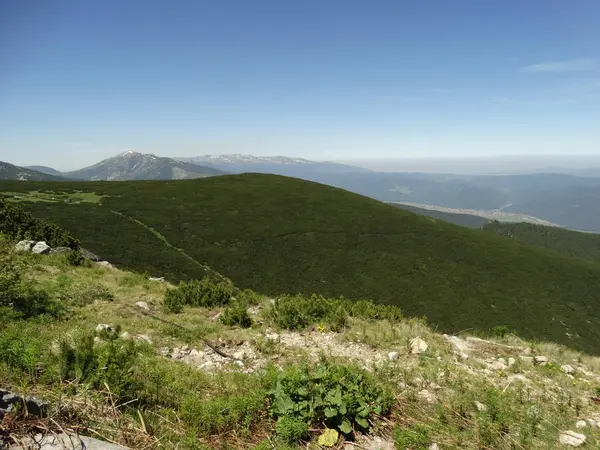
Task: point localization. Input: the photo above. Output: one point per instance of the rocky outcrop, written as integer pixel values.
(11, 401)
(571, 438)
(41, 248)
(24, 246)
(64, 441)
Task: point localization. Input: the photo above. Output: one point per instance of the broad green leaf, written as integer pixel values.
(362, 422)
(331, 412)
(345, 427)
(329, 438)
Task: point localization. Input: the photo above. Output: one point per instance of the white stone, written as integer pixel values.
(104, 327)
(41, 248)
(158, 279)
(493, 364)
(105, 264)
(480, 406)
(125, 336)
(567, 369)
(581, 424)
(418, 346)
(144, 337)
(540, 360)
(427, 396)
(142, 305)
(433, 446)
(571, 438)
(24, 246)
(511, 362)
(393, 356)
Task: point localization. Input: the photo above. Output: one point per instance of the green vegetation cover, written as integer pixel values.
(282, 235)
(573, 243)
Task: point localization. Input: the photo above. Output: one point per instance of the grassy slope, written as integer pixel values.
(184, 407)
(573, 243)
(277, 234)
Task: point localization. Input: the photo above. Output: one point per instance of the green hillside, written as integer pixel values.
(276, 235)
(465, 220)
(573, 243)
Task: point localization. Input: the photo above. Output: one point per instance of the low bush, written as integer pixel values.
(236, 314)
(291, 429)
(111, 363)
(19, 350)
(20, 295)
(295, 312)
(203, 293)
(342, 397)
(85, 294)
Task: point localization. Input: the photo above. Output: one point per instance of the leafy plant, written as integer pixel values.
(341, 397)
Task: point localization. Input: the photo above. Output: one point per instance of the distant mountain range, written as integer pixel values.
(11, 172)
(278, 165)
(46, 170)
(132, 165)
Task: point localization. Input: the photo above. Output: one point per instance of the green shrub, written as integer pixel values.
(202, 293)
(85, 294)
(20, 295)
(295, 312)
(19, 224)
(236, 314)
(110, 362)
(341, 397)
(75, 258)
(222, 414)
(291, 429)
(500, 331)
(20, 350)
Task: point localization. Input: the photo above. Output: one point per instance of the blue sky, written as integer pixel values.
(323, 79)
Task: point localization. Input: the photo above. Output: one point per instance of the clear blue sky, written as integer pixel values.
(324, 79)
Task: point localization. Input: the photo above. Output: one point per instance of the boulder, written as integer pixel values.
(393, 356)
(60, 250)
(142, 305)
(427, 396)
(89, 255)
(158, 279)
(569, 370)
(581, 424)
(24, 246)
(144, 337)
(105, 264)
(64, 441)
(571, 438)
(433, 446)
(418, 346)
(540, 360)
(41, 248)
(105, 327)
(33, 405)
(480, 407)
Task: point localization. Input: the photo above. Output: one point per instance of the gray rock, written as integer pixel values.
(581, 424)
(41, 248)
(418, 346)
(569, 370)
(427, 396)
(571, 438)
(105, 264)
(60, 250)
(142, 305)
(89, 255)
(65, 441)
(144, 337)
(480, 406)
(433, 446)
(32, 405)
(104, 327)
(511, 362)
(393, 356)
(158, 279)
(540, 360)
(24, 246)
